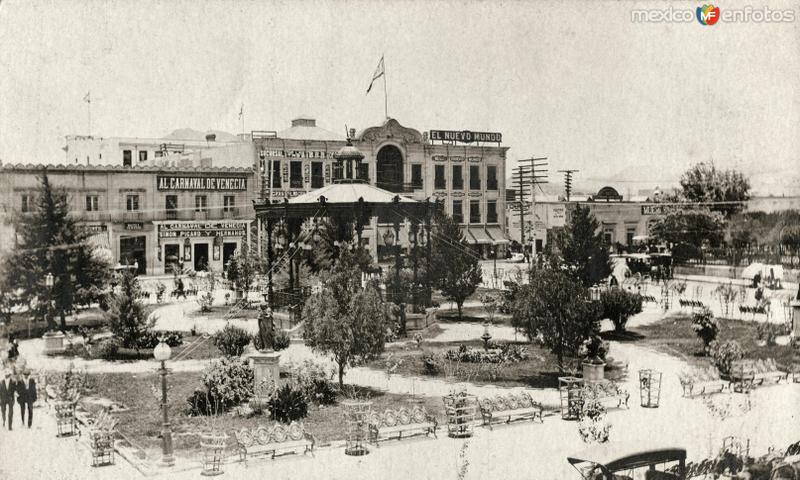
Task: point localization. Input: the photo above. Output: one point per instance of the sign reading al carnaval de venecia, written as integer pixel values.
(223, 184)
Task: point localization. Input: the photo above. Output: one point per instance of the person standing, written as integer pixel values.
(26, 396)
(8, 386)
(13, 350)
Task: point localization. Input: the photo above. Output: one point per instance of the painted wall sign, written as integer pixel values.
(169, 182)
(654, 210)
(465, 136)
(557, 216)
(134, 226)
(456, 159)
(201, 229)
(95, 228)
(474, 159)
(439, 158)
(316, 154)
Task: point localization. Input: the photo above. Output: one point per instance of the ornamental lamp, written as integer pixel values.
(48, 280)
(162, 352)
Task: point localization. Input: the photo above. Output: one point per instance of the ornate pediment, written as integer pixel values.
(390, 130)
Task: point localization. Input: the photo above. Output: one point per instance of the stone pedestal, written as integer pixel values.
(796, 319)
(593, 372)
(53, 343)
(265, 368)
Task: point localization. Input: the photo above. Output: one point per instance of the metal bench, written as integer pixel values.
(747, 374)
(605, 391)
(276, 440)
(383, 426)
(705, 381)
(508, 407)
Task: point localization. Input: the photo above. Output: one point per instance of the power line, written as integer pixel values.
(568, 180)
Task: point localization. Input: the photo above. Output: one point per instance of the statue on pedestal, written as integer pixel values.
(266, 330)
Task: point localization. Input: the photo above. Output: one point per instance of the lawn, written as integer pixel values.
(193, 348)
(539, 370)
(474, 315)
(140, 425)
(674, 335)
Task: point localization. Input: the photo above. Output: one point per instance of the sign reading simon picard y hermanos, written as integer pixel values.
(465, 136)
(202, 183)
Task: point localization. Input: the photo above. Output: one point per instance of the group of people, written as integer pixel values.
(16, 386)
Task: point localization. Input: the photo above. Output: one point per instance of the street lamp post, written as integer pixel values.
(48, 281)
(162, 353)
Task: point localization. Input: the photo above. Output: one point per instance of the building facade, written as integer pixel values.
(464, 170)
(153, 216)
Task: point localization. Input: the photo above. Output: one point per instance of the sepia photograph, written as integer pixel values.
(400, 239)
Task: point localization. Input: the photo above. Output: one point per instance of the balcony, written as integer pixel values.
(132, 216)
(230, 213)
(201, 215)
(172, 214)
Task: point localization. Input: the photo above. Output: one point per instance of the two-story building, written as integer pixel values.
(151, 216)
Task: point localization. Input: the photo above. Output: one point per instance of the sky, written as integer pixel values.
(629, 104)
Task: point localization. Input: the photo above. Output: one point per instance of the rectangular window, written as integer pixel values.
(474, 211)
(629, 234)
(171, 207)
(458, 178)
(338, 170)
(295, 174)
(474, 177)
(608, 234)
(363, 171)
(439, 182)
(491, 211)
(228, 203)
(126, 158)
(317, 176)
(200, 203)
(276, 174)
(416, 175)
(27, 203)
(491, 177)
(458, 214)
(132, 203)
(142, 155)
(92, 203)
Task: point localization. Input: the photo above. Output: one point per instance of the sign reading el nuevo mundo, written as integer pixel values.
(202, 183)
(465, 136)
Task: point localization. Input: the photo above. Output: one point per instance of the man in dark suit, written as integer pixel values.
(26, 396)
(8, 386)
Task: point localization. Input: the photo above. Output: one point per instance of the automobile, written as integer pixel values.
(624, 461)
(517, 257)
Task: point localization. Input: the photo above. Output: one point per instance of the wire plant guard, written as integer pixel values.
(213, 447)
(356, 415)
(570, 391)
(649, 388)
(461, 409)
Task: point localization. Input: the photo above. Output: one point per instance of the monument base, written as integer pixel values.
(266, 369)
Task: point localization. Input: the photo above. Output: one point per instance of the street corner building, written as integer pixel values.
(151, 216)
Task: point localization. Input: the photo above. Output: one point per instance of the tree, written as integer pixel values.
(790, 238)
(243, 268)
(724, 190)
(619, 305)
(49, 240)
(689, 230)
(554, 308)
(583, 250)
(127, 319)
(345, 320)
(455, 270)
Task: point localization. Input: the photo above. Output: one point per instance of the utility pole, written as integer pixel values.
(532, 168)
(568, 181)
(519, 178)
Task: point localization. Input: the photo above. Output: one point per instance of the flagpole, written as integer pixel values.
(385, 97)
(89, 111)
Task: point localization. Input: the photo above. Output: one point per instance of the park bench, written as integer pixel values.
(276, 440)
(521, 406)
(753, 309)
(100, 434)
(605, 391)
(707, 380)
(690, 303)
(747, 374)
(383, 426)
(648, 298)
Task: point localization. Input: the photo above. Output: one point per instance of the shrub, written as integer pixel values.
(70, 384)
(619, 305)
(594, 349)
(705, 326)
(281, 341)
(151, 338)
(231, 340)
(314, 379)
(106, 348)
(431, 364)
(724, 354)
(288, 404)
(206, 301)
(200, 402)
(229, 381)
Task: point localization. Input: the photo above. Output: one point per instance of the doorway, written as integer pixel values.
(390, 169)
(172, 258)
(228, 249)
(200, 257)
(132, 251)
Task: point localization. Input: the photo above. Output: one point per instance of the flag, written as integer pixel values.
(378, 72)
(241, 111)
(87, 98)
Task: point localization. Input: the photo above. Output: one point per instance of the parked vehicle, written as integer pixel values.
(620, 461)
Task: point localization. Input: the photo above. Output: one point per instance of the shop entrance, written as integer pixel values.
(200, 257)
(228, 249)
(172, 258)
(390, 169)
(132, 251)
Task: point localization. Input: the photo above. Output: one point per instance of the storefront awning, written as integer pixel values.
(481, 237)
(99, 240)
(468, 237)
(497, 236)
